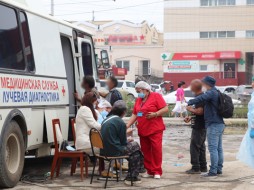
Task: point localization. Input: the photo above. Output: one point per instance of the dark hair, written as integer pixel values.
(183, 83)
(117, 111)
(113, 80)
(180, 85)
(88, 101)
(89, 80)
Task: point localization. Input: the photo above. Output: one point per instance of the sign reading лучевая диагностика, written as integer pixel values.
(25, 90)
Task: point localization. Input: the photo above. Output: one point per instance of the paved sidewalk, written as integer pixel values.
(236, 176)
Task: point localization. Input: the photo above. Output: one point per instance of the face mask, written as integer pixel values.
(204, 89)
(141, 95)
(94, 106)
(106, 87)
(104, 113)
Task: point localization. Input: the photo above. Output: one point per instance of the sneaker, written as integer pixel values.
(135, 180)
(204, 170)
(209, 176)
(219, 172)
(146, 175)
(193, 171)
(156, 176)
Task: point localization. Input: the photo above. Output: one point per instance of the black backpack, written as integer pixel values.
(226, 106)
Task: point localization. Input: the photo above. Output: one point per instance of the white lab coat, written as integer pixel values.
(84, 123)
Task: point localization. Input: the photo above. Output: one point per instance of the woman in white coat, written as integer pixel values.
(85, 120)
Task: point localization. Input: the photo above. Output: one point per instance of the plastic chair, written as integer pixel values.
(97, 142)
(60, 154)
(75, 161)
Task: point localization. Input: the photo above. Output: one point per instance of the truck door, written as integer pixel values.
(86, 58)
(69, 67)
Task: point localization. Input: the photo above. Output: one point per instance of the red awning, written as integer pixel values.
(207, 55)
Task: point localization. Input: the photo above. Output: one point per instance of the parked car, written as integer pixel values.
(157, 88)
(229, 90)
(124, 85)
(243, 93)
(171, 97)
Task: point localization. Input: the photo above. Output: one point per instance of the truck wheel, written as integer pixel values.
(12, 155)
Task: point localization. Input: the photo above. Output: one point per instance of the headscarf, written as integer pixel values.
(143, 85)
(104, 104)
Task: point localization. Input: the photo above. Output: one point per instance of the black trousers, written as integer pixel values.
(198, 149)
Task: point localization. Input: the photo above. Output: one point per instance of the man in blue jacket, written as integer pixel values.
(214, 124)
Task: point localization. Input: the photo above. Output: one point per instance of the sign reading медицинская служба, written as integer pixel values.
(27, 90)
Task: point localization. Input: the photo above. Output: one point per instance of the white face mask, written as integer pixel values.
(204, 89)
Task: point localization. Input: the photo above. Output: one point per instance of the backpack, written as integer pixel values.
(226, 106)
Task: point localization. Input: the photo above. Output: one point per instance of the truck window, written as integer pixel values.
(87, 59)
(11, 52)
(27, 42)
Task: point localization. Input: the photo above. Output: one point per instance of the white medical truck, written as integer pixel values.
(42, 63)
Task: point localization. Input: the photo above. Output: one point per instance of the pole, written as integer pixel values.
(93, 16)
(52, 8)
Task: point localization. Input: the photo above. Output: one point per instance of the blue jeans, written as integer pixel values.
(214, 138)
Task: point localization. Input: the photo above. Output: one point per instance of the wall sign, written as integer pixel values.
(181, 66)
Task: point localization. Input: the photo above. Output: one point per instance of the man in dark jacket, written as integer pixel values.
(113, 95)
(198, 135)
(214, 124)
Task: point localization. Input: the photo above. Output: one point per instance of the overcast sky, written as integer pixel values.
(132, 10)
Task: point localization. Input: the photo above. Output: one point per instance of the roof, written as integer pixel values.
(104, 24)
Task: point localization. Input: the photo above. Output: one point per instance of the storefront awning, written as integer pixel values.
(206, 55)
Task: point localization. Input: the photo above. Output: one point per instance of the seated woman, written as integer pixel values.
(114, 136)
(85, 120)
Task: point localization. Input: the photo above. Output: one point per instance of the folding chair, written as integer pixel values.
(97, 142)
(75, 161)
(59, 154)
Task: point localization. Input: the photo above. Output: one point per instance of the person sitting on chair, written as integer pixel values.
(86, 119)
(114, 135)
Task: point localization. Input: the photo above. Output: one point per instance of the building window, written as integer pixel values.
(229, 70)
(219, 34)
(203, 34)
(212, 3)
(212, 34)
(250, 2)
(222, 34)
(204, 2)
(123, 64)
(250, 34)
(230, 34)
(203, 67)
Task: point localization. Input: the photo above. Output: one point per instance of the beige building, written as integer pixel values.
(136, 47)
(214, 37)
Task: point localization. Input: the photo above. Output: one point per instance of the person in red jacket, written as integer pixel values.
(147, 112)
